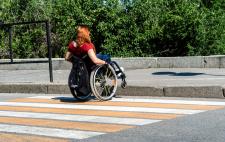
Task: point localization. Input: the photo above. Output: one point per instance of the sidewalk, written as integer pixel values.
(172, 82)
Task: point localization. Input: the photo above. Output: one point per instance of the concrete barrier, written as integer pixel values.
(180, 62)
(128, 63)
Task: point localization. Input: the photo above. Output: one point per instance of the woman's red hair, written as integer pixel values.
(83, 35)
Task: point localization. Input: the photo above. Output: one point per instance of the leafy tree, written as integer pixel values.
(123, 27)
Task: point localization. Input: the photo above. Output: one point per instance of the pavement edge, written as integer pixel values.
(166, 91)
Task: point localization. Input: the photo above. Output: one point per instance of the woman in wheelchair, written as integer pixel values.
(90, 74)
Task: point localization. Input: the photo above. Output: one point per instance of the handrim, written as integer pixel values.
(105, 78)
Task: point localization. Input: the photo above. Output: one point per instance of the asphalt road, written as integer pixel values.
(204, 127)
(130, 119)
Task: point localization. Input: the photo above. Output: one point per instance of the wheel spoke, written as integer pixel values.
(106, 91)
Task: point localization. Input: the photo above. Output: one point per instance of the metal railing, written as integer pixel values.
(9, 27)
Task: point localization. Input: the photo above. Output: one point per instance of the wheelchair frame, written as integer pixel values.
(99, 78)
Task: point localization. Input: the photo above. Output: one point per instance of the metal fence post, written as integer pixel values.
(48, 31)
(10, 44)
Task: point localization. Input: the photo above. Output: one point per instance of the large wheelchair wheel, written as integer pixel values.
(103, 81)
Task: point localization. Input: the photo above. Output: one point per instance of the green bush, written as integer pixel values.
(124, 28)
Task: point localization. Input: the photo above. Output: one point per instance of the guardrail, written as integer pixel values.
(9, 27)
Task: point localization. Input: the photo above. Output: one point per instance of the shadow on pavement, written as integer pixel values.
(70, 99)
(178, 74)
(184, 74)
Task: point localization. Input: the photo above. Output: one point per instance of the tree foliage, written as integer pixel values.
(123, 27)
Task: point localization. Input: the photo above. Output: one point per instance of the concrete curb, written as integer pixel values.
(195, 91)
(167, 91)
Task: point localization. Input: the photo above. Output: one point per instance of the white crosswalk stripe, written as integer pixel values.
(188, 102)
(109, 108)
(86, 118)
(163, 101)
(73, 134)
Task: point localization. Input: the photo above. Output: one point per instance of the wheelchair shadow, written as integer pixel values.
(72, 99)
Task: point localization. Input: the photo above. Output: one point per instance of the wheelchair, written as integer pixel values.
(100, 82)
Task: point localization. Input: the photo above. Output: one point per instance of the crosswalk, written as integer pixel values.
(60, 119)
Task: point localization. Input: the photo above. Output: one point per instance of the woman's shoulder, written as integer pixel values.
(87, 46)
(72, 44)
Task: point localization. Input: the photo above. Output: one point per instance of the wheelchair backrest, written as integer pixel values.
(79, 75)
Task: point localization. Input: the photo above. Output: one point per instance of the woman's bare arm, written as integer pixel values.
(94, 58)
(68, 55)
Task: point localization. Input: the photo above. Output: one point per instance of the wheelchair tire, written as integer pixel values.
(80, 96)
(103, 82)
